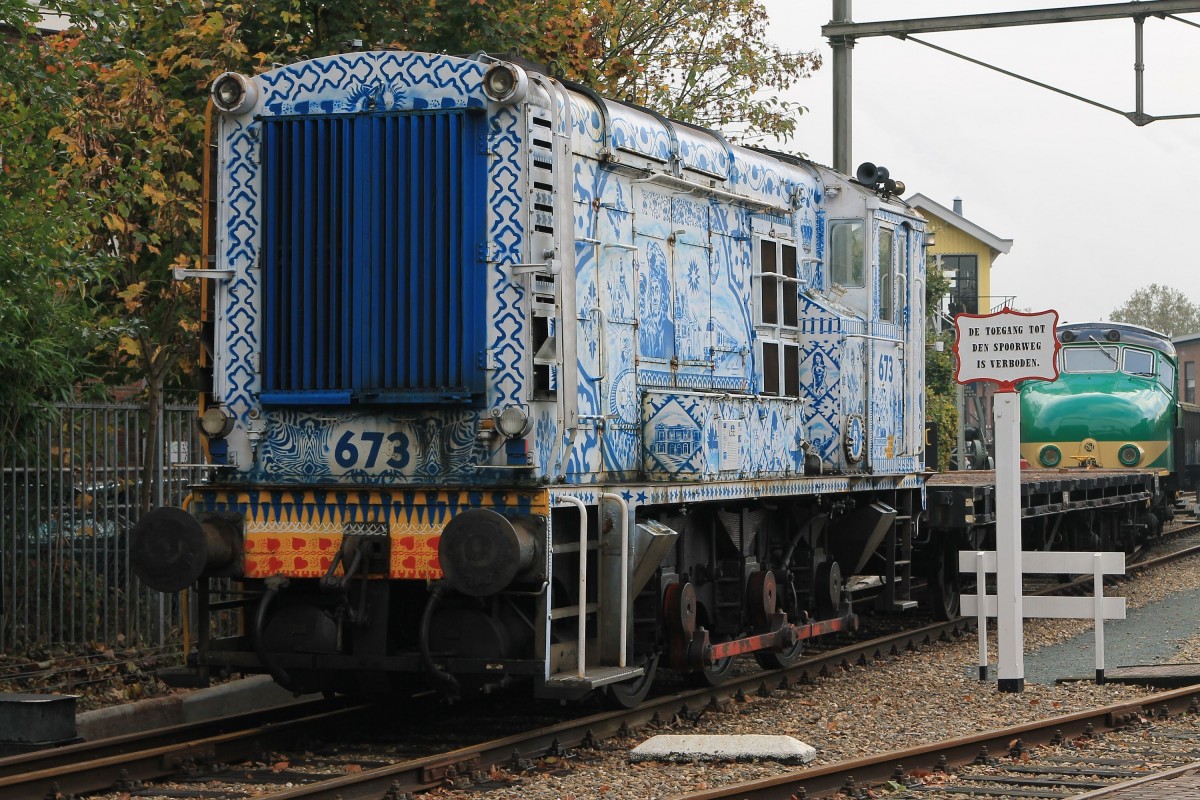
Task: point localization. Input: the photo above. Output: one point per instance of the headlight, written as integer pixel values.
(1050, 456)
(505, 83)
(1129, 454)
(513, 422)
(234, 93)
(216, 422)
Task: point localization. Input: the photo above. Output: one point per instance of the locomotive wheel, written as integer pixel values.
(714, 674)
(828, 586)
(945, 586)
(770, 659)
(761, 597)
(630, 694)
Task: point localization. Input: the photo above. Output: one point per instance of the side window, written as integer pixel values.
(846, 252)
(1166, 374)
(778, 317)
(887, 303)
(1138, 362)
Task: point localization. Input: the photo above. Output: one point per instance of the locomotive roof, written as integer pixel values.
(1114, 333)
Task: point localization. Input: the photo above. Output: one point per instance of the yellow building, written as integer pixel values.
(967, 253)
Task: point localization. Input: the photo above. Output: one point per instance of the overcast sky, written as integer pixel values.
(1096, 206)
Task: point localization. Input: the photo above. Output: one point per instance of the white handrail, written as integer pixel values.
(624, 570)
(575, 501)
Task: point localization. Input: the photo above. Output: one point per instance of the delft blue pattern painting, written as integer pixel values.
(662, 281)
(820, 377)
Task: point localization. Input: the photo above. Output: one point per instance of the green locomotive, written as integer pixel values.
(1114, 406)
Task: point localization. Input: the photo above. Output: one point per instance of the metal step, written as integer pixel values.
(593, 677)
(566, 612)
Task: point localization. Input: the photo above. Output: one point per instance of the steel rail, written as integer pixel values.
(956, 752)
(93, 766)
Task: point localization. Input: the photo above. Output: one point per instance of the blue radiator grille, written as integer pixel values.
(372, 270)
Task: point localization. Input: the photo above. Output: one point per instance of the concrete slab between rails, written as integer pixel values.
(1160, 676)
(734, 747)
(236, 697)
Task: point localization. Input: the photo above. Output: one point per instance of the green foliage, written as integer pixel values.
(102, 132)
(708, 62)
(45, 308)
(941, 391)
(1160, 308)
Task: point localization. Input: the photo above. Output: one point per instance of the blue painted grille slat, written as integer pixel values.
(373, 287)
(345, 362)
(412, 329)
(441, 246)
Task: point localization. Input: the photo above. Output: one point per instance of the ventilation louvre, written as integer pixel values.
(372, 275)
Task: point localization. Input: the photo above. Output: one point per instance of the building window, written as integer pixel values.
(964, 283)
(778, 317)
(1189, 381)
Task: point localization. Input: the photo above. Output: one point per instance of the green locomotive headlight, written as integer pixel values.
(1050, 456)
(1129, 454)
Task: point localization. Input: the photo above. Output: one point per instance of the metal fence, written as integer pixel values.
(66, 508)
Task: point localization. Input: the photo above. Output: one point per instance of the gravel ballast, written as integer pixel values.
(899, 702)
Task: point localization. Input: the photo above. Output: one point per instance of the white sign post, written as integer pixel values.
(1005, 348)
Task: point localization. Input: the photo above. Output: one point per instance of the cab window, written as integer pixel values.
(1138, 362)
(1089, 359)
(1166, 374)
(887, 306)
(846, 252)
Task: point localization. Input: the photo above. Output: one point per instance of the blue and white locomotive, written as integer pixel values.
(511, 381)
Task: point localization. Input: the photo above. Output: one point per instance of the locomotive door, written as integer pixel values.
(873, 432)
(729, 266)
(887, 403)
(887, 431)
(691, 271)
(617, 284)
(655, 296)
(912, 267)
(855, 415)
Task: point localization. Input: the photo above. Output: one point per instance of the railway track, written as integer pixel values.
(91, 767)
(1058, 758)
(134, 758)
(102, 765)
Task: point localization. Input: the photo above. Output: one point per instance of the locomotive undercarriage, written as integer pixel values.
(757, 577)
(1119, 523)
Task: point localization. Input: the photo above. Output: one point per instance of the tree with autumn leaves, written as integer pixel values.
(45, 277)
(102, 132)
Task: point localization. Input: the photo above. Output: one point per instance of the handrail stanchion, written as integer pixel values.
(624, 570)
(581, 656)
